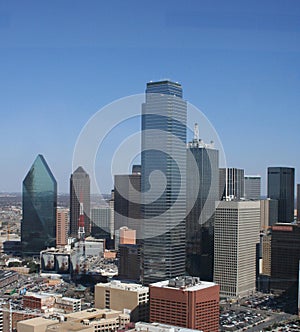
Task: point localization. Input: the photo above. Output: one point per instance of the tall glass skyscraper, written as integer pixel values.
(281, 186)
(163, 181)
(201, 198)
(38, 228)
(79, 192)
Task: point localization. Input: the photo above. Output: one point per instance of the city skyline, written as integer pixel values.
(238, 63)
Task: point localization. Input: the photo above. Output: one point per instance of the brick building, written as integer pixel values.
(186, 302)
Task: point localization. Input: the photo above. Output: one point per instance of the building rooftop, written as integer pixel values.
(5, 274)
(38, 321)
(157, 327)
(69, 326)
(92, 314)
(39, 295)
(125, 286)
(189, 284)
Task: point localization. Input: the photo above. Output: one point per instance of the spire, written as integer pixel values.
(196, 132)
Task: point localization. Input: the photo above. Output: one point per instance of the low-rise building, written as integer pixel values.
(38, 324)
(102, 320)
(117, 295)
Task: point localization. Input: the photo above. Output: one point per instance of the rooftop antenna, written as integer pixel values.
(196, 132)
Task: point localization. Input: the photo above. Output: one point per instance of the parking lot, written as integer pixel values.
(240, 319)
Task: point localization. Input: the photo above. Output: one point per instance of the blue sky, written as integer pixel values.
(61, 61)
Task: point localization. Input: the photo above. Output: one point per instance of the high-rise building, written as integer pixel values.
(298, 202)
(62, 227)
(129, 262)
(163, 165)
(285, 256)
(124, 235)
(102, 223)
(38, 228)
(231, 183)
(281, 186)
(186, 302)
(127, 202)
(201, 197)
(237, 226)
(266, 253)
(252, 187)
(79, 193)
(268, 213)
(117, 295)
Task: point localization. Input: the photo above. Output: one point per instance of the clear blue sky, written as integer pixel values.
(61, 61)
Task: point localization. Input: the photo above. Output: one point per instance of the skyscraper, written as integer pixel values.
(201, 197)
(252, 187)
(101, 222)
(232, 183)
(38, 228)
(127, 204)
(79, 192)
(62, 227)
(268, 213)
(298, 202)
(163, 165)
(281, 186)
(237, 226)
(285, 256)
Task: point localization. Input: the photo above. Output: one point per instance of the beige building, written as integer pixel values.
(62, 227)
(117, 295)
(237, 228)
(266, 254)
(268, 213)
(91, 320)
(102, 320)
(38, 324)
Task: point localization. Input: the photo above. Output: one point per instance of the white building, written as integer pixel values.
(237, 228)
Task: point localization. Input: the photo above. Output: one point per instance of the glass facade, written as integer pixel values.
(281, 186)
(38, 229)
(163, 181)
(232, 183)
(201, 196)
(79, 191)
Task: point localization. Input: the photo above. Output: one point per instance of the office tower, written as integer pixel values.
(266, 254)
(118, 295)
(236, 237)
(201, 197)
(232, 183)
(79, 193)
(186, 302)
(163, 165)
(252, 187)
(281, 186)
(101, 222)
(124, 235)
(129, 262)
(62, 227)
(285, 256)
(127, 202)
(268, 213)
(38, 228)
(298, 202)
